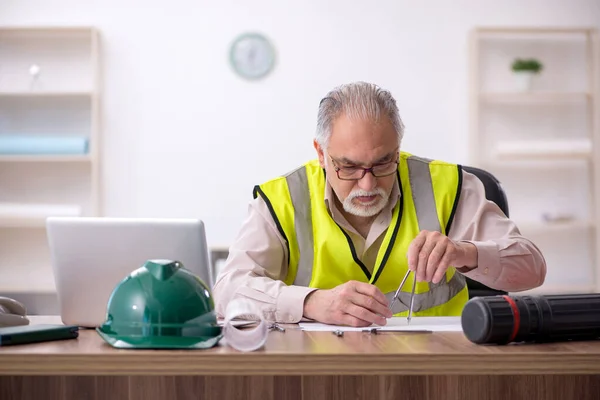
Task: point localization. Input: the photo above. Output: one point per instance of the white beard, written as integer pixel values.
(368, 210)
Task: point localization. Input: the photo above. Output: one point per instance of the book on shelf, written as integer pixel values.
(43, 145)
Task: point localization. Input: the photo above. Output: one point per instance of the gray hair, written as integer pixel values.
(359, 100)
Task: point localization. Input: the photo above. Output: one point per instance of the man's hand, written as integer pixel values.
(352, 303)
(431, 253)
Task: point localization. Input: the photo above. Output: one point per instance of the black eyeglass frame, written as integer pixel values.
(365, 170)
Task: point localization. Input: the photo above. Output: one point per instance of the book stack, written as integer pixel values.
(43, 145)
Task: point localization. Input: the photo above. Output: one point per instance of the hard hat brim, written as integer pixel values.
(159, 342)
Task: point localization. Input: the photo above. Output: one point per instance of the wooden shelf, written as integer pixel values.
(48, 94)
(33, 215)
(534, 97)
(548, 132)
(502, 30)
(531, 154)
(539, 155)
(46, 158)
(543, 149)
(52, 88)
(37, 30)
(558, 289)
(537, 164)
(548, 227)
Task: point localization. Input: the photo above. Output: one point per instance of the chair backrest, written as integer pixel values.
(493, 192)
(493, 188)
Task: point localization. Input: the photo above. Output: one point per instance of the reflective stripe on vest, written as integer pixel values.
(298, 186)
(424, 201)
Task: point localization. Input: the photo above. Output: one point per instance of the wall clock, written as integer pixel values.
(252, 56)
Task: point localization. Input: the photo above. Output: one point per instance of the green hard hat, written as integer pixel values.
(161, 305)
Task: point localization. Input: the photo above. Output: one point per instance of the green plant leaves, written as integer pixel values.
(530, 64)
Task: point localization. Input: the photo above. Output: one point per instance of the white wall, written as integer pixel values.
(183, 136)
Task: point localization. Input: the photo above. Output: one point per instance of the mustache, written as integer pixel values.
(361, 193)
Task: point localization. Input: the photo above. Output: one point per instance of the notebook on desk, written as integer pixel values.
(90, 256)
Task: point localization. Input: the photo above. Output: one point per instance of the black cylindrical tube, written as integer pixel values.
(542, 318)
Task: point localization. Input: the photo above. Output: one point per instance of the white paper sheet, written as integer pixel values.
(396, 324)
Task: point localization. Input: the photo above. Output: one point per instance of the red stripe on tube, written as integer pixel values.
(516, 315)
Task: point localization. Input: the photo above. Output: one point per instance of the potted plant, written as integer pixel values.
(525, 70)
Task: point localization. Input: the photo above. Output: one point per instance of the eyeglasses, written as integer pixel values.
(357, 173)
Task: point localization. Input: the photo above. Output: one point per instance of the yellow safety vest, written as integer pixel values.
(322, 255)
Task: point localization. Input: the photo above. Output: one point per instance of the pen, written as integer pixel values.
(377, 331)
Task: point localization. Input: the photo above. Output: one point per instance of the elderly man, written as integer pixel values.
(331, 240)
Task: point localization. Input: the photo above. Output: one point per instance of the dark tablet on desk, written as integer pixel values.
(36, 333)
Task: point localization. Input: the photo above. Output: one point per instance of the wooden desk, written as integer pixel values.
(305, 365)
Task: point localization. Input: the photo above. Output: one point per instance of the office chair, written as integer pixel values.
(495, 193)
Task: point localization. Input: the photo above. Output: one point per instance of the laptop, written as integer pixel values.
(91, 255)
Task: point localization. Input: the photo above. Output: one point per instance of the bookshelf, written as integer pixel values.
(542, 142)
(49, 145)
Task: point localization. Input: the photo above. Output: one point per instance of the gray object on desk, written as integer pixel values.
(12, 313)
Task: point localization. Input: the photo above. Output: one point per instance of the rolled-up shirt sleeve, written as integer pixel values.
(506, 260)
(256, 268)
